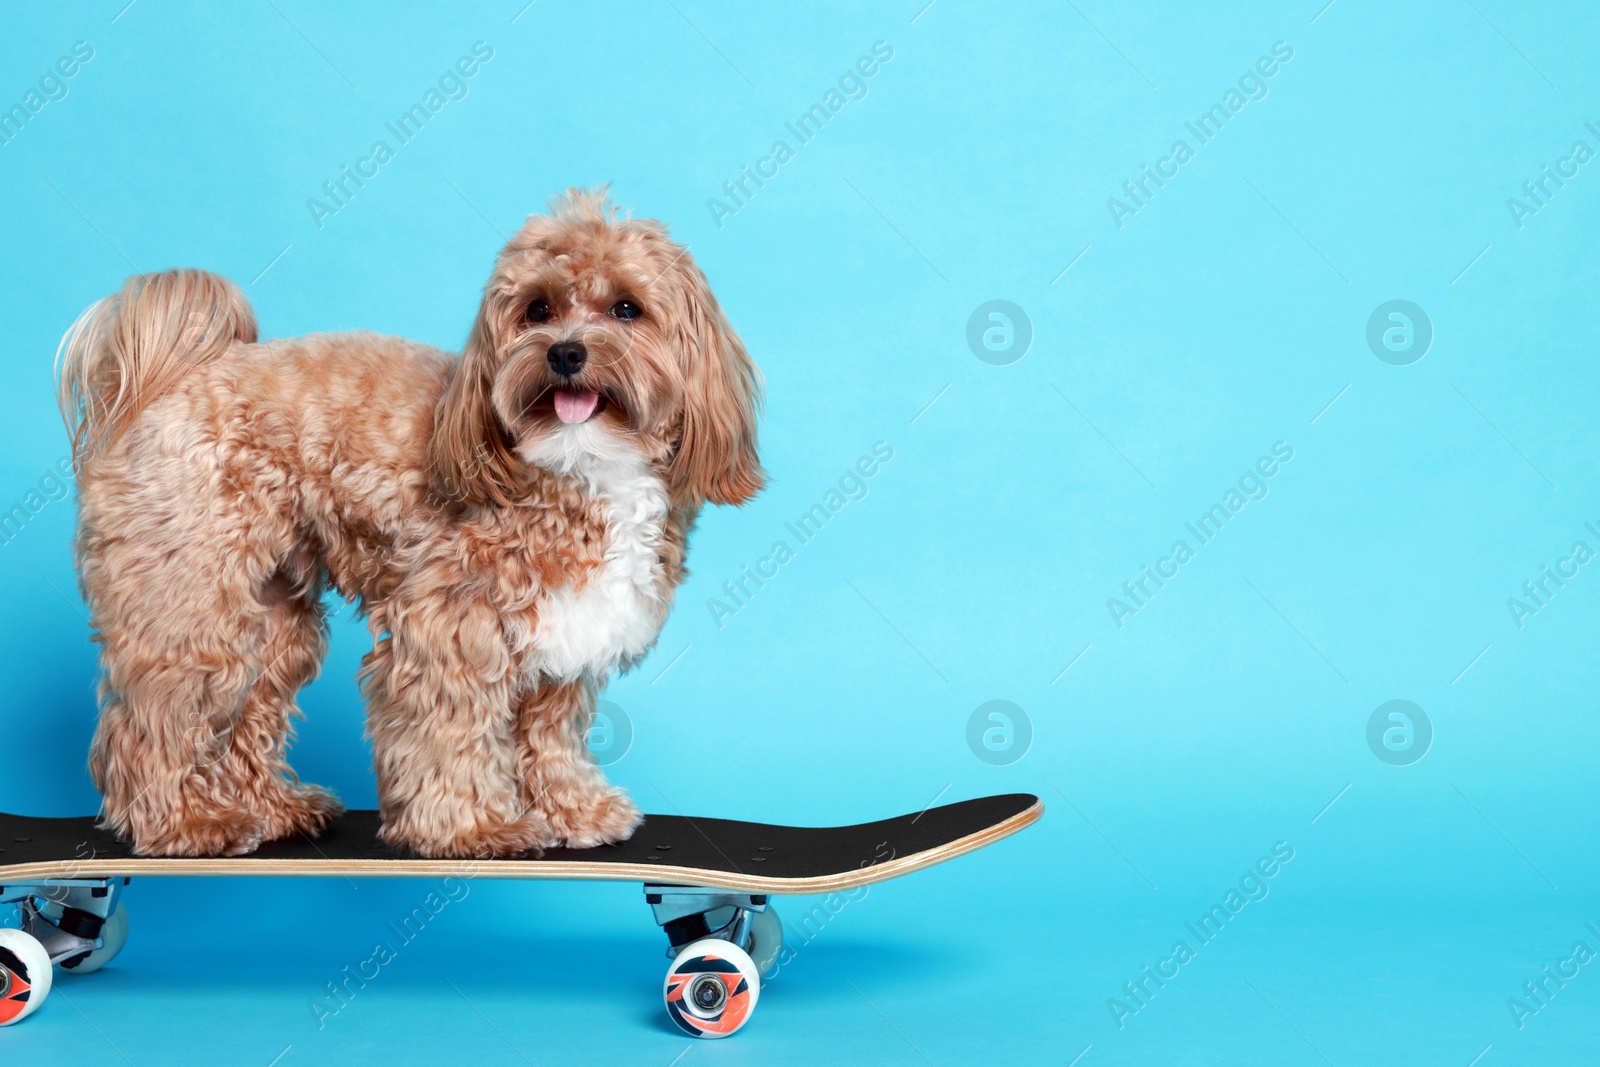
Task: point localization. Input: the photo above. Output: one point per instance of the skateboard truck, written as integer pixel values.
(716, 973)
(684, 913)
(79, 921)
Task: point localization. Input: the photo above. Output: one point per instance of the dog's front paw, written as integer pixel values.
(226, 833)
(601, 818)
(303, 811)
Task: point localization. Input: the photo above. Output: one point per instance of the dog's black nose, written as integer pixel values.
(567, 357)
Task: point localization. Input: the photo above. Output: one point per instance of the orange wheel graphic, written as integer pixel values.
(24, 976)
(711, 988)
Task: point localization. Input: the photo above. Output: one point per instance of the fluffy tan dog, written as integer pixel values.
(512, 522)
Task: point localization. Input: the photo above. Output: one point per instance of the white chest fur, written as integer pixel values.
(612, 618)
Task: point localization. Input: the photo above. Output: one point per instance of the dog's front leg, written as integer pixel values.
(439, 689)
(560, 781)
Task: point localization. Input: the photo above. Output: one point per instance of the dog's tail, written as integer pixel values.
(127, 350)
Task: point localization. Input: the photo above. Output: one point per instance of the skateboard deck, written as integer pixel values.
(706, 880)
(716, 853)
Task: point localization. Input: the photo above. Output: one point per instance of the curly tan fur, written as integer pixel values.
(508, 560)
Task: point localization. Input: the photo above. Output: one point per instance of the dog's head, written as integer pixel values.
(599, 340)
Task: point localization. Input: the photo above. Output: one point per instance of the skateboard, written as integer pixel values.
(709, 883)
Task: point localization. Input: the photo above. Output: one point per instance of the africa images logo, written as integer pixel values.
(1399, 733)
(1399, 332)
(999, 333)
(999, 733)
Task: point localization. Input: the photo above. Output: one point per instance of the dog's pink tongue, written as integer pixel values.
(575, 405)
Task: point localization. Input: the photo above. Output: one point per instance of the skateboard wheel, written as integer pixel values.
(766, 940)
(711, 988)
(113, 935)
(24, 975)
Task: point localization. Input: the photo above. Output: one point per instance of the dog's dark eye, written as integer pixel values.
(539, 311)
(626, 310)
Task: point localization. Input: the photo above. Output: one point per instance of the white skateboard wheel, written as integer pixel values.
(24, 975)
(711, 988)
(113, 935)
(766, 940)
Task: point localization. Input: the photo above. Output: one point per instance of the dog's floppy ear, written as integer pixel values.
(716, 456)
(470, 455)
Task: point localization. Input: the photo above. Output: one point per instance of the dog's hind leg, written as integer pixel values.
(560, 779)
(290, 656)
(201, 655)
(174, 683)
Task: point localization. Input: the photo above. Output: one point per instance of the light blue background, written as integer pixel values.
(1223, 317)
